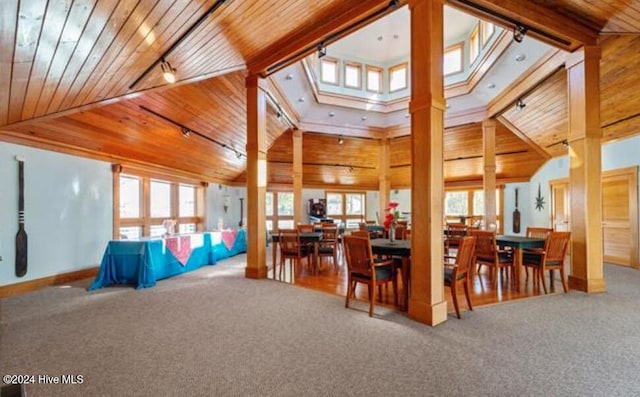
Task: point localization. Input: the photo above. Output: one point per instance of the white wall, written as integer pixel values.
(68, 211)
(215, 209)
(524, 205)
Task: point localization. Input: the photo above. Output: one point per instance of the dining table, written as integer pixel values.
(401, 249)
(519, 243)
(313, 238)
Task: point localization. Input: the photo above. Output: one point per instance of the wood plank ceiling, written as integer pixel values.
(76, 60)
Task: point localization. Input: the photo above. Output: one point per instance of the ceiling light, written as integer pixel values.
(341, 141)
(363, 118)
(350, 169)
(395, 36)
(491, 86)
(380, 38)
(238, 155)
(322, 50)
(518, 33)
(520, 104)
(331, 114)
(301, 99)
(185, 132)
(279, 114)
(168, 72)
(406, 116)
(289, 77)
(565, 143)
(520, 57)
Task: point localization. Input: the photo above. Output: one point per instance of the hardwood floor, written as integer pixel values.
(482, 293)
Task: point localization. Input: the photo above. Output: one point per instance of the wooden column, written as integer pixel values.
(489, 179)
(256, 178)
(297, 177)
(585, 179)
(384, 185)
(426, 302)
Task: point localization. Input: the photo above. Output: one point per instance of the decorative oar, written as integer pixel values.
(516, 216)
(21, 236)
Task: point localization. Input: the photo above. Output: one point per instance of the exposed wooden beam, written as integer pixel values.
(291, 49)
(542, 22)
(537, 73)
(524, 137)
(358, 132)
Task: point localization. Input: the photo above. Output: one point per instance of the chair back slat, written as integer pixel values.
(538, 232)
(556, 245)
(485, 245)
(329, 232)
(358, 253)
(464, 257)
(289, 240)
(305, 228)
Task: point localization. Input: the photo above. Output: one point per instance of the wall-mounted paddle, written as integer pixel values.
(516, 216)
(21, 236)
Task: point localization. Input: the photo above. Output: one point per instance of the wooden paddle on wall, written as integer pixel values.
(21, 236)
(516, 216)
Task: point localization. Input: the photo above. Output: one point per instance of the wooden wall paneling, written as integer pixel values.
(606, 16)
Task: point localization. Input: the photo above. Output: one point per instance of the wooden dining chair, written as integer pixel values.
(363, 268)
(328, 247)
(453, 235)
(488, 254)
(551, 258)
(537, 232)
(291, 251)
(458, 272)
(305, 228)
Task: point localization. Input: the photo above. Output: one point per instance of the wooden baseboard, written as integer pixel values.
(33, 285)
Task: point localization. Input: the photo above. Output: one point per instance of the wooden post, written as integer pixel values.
(384, 185)
(256, 178)
(585, 179)
(427, 303)
(297, 177)
(489, 179)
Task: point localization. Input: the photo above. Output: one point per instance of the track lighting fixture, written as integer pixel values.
(279, 114)
(322, 50)
(520, 104)
(168, 72)
(340, 141)
(519, 31)
(565, 143)
(185, 132)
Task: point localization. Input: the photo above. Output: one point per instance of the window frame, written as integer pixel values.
(474, 37)
(484, 37)
(402, 65)
(276, 217)
(470, 210)
(336, 66)
(356, 65)
(452, 48)
(144, 220)
(344, 217)
(380, 72)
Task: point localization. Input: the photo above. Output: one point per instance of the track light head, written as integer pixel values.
(565, 143)
(185, 132)
(168, 72)
(520, 104)
(519, 31)
(341, 141)
(322, 50)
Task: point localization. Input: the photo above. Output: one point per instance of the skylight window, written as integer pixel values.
(452, 62)
(398, 77)
(374, 79)
(329, 70)
(474, 44)
(486, 29)
(352, 75)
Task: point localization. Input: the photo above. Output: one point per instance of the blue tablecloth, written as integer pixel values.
(143, 262)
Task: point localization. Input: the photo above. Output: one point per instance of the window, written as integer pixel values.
(144, 202)
(346, 207)
(279, 210)
(456, 203)
(452, 62)
(474, 44)
(398, 77)
(353, 75)
(486, 29)
(468, 205)
(374, 79)
(129, 197)
(329, 71)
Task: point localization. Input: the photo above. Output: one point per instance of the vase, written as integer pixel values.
(392, 234)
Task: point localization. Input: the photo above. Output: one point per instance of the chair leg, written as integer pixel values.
(466, 293)
(350, 290)
(454, 295)
(372, 298)
(544, 285)
(395, 288)
(564, 280)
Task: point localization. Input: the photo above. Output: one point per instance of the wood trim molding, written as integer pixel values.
(40, 283)
(354, 131)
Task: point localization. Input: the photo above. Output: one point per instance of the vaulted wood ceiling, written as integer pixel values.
(67, 69)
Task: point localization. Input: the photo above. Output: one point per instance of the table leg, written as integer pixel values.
(405, 283)
(315, 257)
(518, 267)
(273, 255)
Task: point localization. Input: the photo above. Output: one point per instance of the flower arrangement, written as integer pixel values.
(392, 215)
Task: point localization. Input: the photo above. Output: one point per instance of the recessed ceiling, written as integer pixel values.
(387, 40)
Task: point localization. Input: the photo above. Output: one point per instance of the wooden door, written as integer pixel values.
(560, 219)
(620, 216)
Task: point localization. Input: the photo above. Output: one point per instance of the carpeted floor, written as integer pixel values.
(214, 333)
